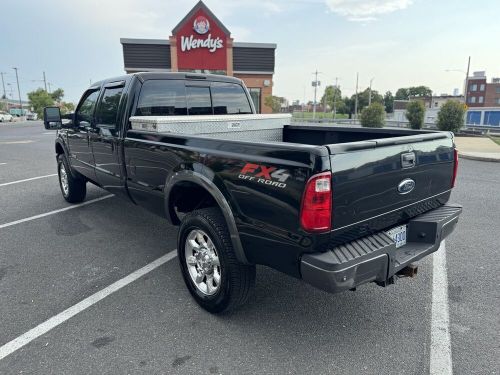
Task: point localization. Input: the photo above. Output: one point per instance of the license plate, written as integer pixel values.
(398, 235)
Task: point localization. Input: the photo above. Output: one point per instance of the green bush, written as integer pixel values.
(373, 116)
(451, 116)
(415, 113)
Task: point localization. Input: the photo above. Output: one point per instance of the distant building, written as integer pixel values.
(432, 106)
(480, 93)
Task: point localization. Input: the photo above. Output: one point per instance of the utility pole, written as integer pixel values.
(45, 81)
(19, 92)
(334, 98)
(370, 92)
(356, 101)
(466, 82)
(3, 85)
(315, 84)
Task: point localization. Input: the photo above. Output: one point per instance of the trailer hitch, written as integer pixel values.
(409, 271)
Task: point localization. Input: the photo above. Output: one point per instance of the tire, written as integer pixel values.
(73, 189)
(215, 294)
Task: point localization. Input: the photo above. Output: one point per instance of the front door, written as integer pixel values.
(80, 151)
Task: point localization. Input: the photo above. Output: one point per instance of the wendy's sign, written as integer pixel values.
(201, 43)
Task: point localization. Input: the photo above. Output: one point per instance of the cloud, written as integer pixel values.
(366, 10)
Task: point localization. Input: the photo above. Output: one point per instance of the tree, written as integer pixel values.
(273, 102)
(331, 94)
(363, 98)
(451, 116)
(415, 113)
(405, 93)
(39, 99)
(66, 107)
(373, 116)
(57, 95)
(389, 102)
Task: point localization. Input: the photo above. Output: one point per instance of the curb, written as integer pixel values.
(479, 158)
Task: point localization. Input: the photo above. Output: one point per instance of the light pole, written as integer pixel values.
(334, 98)
(356, 101)
(370, 93)
(3, 84)
(466, 78)
(315, 84)
(19, 92)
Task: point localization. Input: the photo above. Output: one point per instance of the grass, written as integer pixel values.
(496, 140)
(319, 115)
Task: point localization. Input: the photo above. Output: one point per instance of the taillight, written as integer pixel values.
(316, 210)
(455, 167)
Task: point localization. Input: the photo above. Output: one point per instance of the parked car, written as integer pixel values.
(335, 206)
(31, 116)
(5, 117)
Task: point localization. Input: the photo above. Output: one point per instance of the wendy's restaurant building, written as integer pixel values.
(201, 43)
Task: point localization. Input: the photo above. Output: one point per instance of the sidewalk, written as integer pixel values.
(478, 148)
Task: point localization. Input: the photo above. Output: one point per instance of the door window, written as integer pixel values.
(162, 98)
(229, 99)
(199, 102)
(85, 111)
(107, 111)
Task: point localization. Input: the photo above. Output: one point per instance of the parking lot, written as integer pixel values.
(52, 258)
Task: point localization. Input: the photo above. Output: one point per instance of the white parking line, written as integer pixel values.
(27, 179)
(54, 212)
(440, 356)
(60, 318)
(3, 163)
(16, 142)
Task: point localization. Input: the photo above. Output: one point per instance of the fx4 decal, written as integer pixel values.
(264, 175)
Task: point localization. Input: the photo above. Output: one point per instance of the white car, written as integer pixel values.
(5, 117)
(31, 116)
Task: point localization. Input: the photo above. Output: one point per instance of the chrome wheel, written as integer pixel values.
(63, 177)
(202, 262)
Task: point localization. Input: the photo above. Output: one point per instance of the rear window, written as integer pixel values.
(162, 98)
(229, 99)
(199, 100)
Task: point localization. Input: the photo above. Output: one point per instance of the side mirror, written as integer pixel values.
(52, 118)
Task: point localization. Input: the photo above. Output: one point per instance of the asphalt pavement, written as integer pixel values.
(151, 325)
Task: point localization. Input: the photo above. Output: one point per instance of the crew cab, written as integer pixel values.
(337, 207)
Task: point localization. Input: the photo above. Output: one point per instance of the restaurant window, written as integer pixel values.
(255, 94)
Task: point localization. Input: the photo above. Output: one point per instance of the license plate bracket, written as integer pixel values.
(398, 235)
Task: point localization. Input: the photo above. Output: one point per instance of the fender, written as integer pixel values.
(59, 141)
(203, 181)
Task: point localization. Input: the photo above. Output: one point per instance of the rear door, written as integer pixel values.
(105, 137)
(382, 183)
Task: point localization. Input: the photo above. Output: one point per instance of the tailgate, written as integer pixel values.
(381, 183)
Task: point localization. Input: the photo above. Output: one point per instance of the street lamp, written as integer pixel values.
(19, 92)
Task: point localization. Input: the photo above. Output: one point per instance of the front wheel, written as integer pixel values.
(213, 275)
(73, 189)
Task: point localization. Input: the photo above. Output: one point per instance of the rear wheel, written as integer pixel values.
(213, 275)
(73, 189)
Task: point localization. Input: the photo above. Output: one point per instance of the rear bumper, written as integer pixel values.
(375, 257)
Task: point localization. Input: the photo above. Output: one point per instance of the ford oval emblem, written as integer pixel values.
(406, 186)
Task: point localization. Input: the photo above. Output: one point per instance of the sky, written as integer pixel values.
(397, 43)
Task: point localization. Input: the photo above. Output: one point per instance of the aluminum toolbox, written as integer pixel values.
(241, 127)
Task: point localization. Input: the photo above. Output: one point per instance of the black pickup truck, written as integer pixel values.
(334, 206)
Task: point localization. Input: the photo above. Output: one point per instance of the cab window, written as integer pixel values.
(107, 110)
(85, 111)
(162, 98)
(229, 99)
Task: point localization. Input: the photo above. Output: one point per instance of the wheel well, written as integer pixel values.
(59, 149)
(186, 197)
